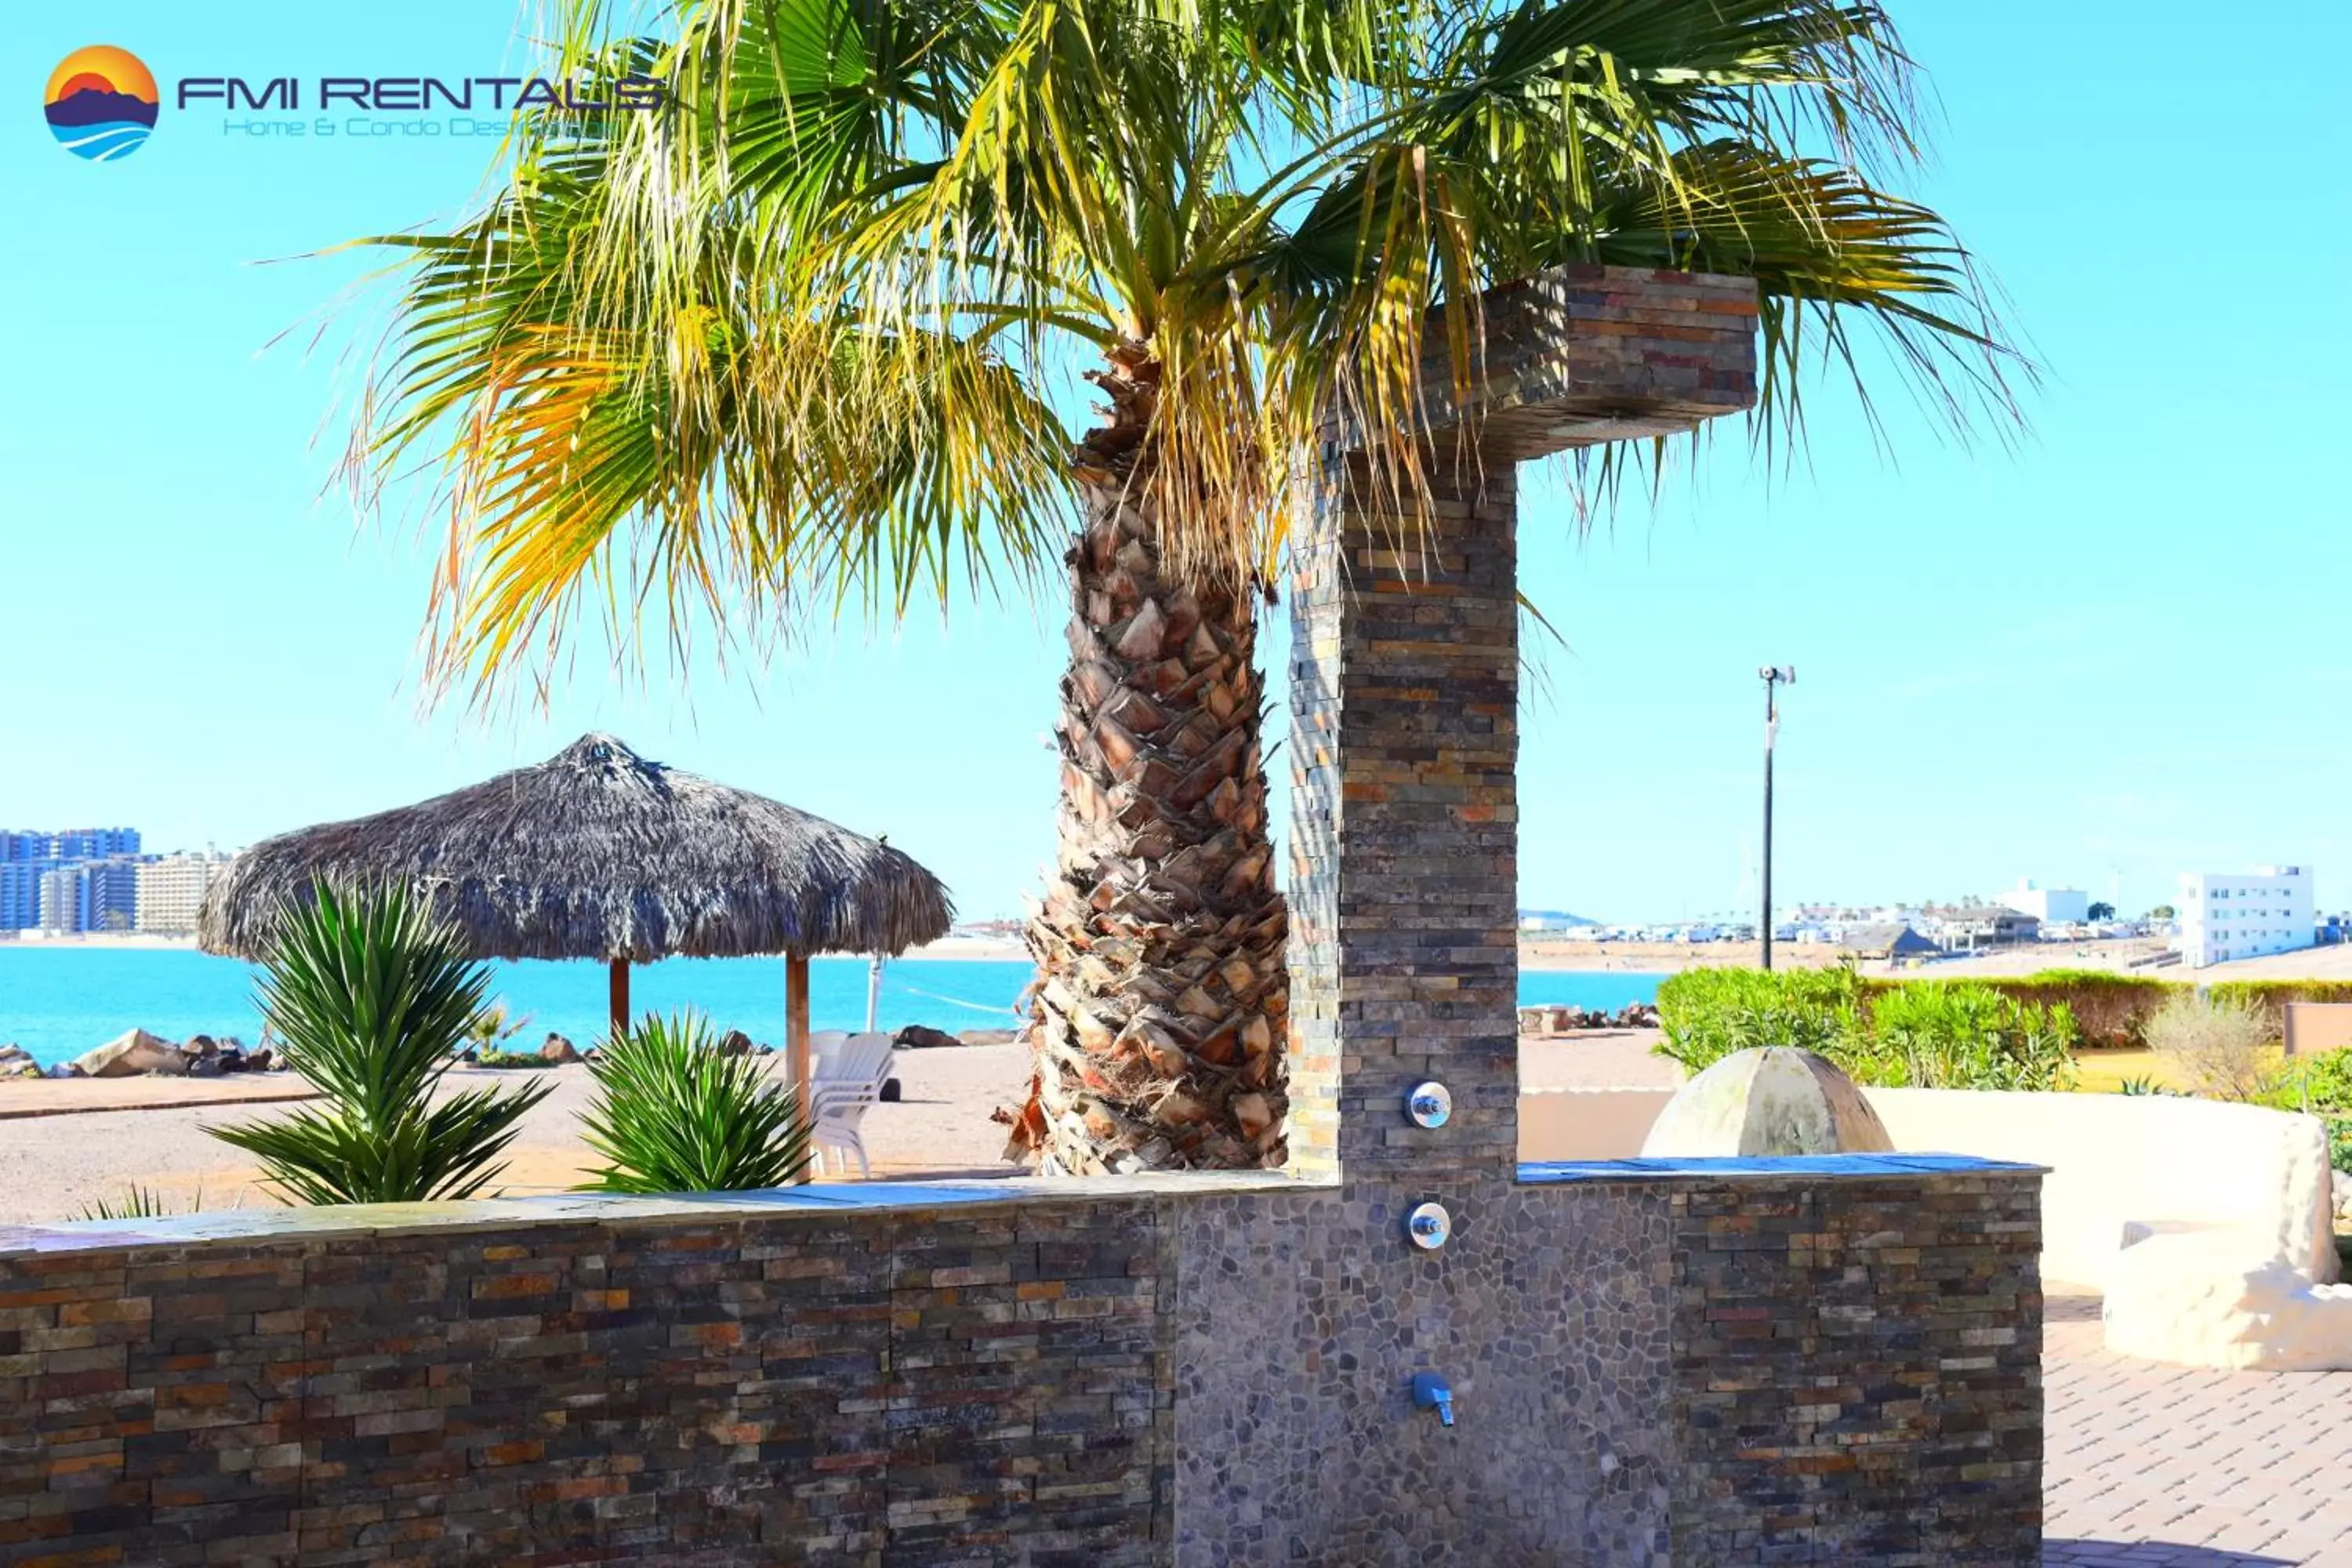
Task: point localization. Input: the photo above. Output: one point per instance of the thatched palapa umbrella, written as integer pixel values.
(600, 853)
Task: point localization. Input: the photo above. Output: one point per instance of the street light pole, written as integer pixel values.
(1774, 676)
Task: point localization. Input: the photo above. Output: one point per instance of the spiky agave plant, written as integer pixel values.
(674, 1115)
(371, 998)
(138, 1203)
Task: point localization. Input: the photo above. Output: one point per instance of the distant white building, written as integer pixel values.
(2050, 906)
(61, 901)
(172, 889)
(2243, 915)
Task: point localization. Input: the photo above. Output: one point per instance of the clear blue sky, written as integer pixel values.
(2112, 654)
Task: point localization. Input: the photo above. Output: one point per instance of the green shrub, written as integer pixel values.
(2321, 1083)
(1964, 1034)
(1929, 1035)
(505, 1060)
(370, 998)
(1706, 1015)
(674, 1114)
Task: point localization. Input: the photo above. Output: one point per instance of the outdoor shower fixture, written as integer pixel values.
(1430, 1105)
(1429, 1226)
(1431, 1392)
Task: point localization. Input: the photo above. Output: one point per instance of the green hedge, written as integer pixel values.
(2112, 1010)
(1919, 1034)
(2273, 995)
(2109, 1009)
(1710, 1013)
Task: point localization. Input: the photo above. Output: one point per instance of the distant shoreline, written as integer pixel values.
(970, 949)
(1551, 954)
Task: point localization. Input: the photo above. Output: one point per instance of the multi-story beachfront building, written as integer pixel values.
(83, 878)
(61, 905)
(20, 893)
(109, 895)
(18, 845)
(94, 843)
(172, 889)
(2050, 906)
(18, 849)
(2243, 915)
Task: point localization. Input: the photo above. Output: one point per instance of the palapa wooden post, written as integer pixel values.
(796, 1041)
(618, 995)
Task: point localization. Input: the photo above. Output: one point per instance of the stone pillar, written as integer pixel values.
(1404, 745)
(1404, 689)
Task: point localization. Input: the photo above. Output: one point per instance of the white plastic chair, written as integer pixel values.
(844, 1079)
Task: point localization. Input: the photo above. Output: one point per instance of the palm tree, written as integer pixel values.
(803, 340)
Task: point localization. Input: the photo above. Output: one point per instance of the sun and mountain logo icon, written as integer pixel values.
(101, 103)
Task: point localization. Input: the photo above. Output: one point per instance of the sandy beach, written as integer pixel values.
(151, 1131)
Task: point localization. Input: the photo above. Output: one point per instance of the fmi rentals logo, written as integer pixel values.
(102, 103)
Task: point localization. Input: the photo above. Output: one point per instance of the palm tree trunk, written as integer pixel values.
(1162, 998)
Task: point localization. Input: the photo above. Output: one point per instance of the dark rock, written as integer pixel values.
(735, 1043)
(201, 1045)
(66, 1069)
(205, 1067)
(231, 1059)
(923, 1037)
(558, 1049)
(890, 1089)
(470, 1055)
(263, 1060)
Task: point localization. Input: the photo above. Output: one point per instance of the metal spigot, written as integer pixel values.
(1431, 1392)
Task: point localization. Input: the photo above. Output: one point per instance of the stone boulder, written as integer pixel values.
(15, 1061)
(558, 1049)
(1774, 1100)
(923, 1037)
(133, 1052)
(735, 1043)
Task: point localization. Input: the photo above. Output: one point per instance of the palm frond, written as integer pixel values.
(797, 346)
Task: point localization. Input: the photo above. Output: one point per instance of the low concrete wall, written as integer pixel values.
(1167, 1370)
(2112, 1158)
(2116, 1158)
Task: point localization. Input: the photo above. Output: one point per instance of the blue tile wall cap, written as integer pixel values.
(1717, 1169)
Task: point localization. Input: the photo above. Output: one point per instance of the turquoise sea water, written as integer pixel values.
(105, 141)
(58, 1001)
